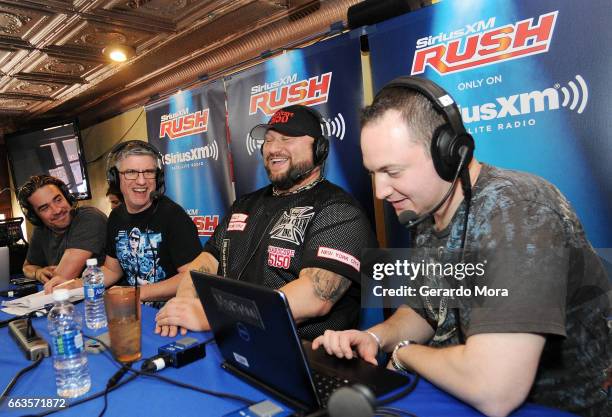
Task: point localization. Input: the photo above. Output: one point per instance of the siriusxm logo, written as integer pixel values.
(194, 154)
(475, 27)
(575, 97)
(289, 79)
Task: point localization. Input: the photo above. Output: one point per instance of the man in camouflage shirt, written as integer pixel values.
(550, 344)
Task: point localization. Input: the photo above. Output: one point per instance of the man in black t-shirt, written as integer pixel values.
(150, 238)
(301, 234)
(65, 235)
(546, 340)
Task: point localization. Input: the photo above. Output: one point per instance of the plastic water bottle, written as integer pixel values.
(69, 357)
(93, 287)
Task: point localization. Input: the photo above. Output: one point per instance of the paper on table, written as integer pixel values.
(32, 302)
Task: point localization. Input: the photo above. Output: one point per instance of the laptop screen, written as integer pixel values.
(256, 334)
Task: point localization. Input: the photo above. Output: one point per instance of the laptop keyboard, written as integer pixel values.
(326, 384)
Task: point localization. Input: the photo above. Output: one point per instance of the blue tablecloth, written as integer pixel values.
(150, 397)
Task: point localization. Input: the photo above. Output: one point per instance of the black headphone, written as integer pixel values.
(449, 137)
(112, 173)
(320, 147)
(34, 183)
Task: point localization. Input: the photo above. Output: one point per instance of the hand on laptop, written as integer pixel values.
(185, 313)
(342, 344)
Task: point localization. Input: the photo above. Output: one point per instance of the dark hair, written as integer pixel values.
(34, 183)
(417, 112)
(117, 193)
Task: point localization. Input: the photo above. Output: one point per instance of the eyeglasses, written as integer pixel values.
(134, 239)
(132, 174)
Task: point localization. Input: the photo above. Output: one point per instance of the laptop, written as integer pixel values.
(258, 339)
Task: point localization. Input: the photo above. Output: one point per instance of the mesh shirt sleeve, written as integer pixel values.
(525, 253)
(88, 231)
(335, 239)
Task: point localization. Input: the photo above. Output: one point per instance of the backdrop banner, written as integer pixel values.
(189, 130)
(531, 86)
(325, 76)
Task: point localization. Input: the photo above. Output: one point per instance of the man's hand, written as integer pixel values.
(44, 274)
(60, 282)
(186, 311)
(341, 344)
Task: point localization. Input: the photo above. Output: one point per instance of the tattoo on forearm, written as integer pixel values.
(329, 286)
(205, 268)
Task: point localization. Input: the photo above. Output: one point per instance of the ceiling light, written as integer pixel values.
(118, 53)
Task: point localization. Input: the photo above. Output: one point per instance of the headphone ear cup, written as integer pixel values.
(321, 150)
(112, 177)
(160, 182)
(445, 146)
(440, 152)
(354, 401)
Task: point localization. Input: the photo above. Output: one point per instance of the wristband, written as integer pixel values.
(375, 338)
(397, 364)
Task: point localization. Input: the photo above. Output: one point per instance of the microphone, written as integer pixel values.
(154, 195)
(410, 219)
(296, 176)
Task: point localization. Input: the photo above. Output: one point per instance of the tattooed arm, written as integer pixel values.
(314, 293)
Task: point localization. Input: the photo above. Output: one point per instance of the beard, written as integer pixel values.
(291, 177)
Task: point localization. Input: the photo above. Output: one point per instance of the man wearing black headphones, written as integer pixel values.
(301, 234)
(150, 238)
(65, 236)
(546, 340)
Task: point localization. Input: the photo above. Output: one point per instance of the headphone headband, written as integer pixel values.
(439, 98)
(448, 138)
(112, 173)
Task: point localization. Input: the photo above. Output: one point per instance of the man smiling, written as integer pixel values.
(301, 234)
(150, 238)
(65, 236)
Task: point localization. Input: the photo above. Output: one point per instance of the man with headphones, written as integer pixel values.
(65, 235)
(301, 234)
(150, 238)
(550, 343)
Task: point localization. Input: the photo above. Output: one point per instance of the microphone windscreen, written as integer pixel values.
(154, 195)
(407, 217)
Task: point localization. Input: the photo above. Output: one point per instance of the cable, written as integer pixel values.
(182, 384)
(13, 381)
(83, 400)
(112, 382)
(97, 158)
(394, 411)
(403, 392)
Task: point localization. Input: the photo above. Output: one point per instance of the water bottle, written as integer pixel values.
(93, 288)
(69, 358)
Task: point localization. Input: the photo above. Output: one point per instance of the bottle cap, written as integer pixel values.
(91, 262)
(60, 294)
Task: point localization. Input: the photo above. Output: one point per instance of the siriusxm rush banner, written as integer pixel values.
(189, 130)
(325, 76)
(532, 81)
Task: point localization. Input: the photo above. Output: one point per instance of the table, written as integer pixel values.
(150, 397)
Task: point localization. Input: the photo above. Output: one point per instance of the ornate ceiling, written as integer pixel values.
(51, 62)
